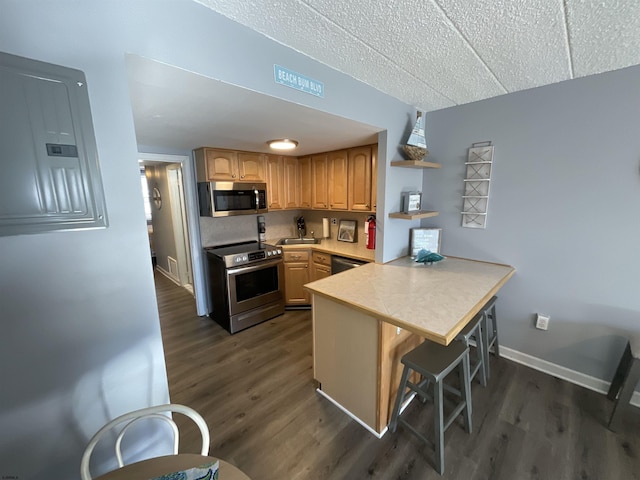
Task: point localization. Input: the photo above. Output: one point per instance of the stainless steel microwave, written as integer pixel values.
(223, 199)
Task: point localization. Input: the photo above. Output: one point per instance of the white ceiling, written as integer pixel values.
(178, 109)
(430, 54)
(438, 53)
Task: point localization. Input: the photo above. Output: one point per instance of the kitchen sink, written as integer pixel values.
(298, 241)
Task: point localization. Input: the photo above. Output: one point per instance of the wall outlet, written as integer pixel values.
(542, 321)
(334, 221)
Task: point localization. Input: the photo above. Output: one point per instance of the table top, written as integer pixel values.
(154, 467)
(434, 301)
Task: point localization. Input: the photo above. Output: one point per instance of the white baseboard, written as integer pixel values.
(168, 275)
(371, 430)
(587, 381)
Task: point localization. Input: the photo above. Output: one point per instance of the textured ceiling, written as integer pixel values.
(438, 53)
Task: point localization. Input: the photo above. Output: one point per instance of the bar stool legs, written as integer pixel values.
(434, 362)
(624, 382)
(475, 330)
(490, 332)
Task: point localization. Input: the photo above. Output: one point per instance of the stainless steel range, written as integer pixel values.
(245, 281)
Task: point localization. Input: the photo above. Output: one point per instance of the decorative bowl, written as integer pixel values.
(415, 153)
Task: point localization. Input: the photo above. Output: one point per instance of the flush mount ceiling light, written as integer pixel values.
(282, 144)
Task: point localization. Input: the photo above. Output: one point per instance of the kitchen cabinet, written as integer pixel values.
(229, 165)
(338, 180)
(321, 265)
(319, 173)
(296, 275)
(251, 167)
(360, 179)
(275, 182)
(291, 180)
(305, 182)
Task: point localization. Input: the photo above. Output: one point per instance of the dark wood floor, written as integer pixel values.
(256, 391)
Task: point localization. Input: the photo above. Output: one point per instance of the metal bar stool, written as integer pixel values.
(490, 331)
(624, 382)
(475, 330)
(434, 362)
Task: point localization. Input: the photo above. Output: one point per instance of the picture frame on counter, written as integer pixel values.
(424, 238)
(347, 231)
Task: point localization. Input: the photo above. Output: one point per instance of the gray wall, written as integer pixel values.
(164, 242)
(565, 191)
(81, 339)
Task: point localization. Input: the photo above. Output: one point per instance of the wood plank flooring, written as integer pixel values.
(256, 391)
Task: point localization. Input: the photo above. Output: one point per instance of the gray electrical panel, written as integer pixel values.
(49, 170)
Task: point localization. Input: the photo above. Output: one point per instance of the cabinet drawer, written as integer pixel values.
(321, 258)
(296, 256)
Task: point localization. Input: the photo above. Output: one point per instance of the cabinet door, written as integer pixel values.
(291, 190)
(338, 180)
(320, 271)
(275, 197)
(305, 184)
(320, 197)
(251, 167)
(296, 274)
(221, 165)
(360, 167)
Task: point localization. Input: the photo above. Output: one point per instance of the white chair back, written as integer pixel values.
(134, 417)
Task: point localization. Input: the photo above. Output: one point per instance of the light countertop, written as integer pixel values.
(333, 247)
(435, 301)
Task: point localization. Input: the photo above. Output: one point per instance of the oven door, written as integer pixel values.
(254, 286)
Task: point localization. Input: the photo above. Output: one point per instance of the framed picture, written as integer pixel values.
(427, 238)
(347, 231)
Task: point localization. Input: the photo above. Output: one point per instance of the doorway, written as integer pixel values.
(175, 238)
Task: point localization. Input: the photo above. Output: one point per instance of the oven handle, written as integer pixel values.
(251, 268)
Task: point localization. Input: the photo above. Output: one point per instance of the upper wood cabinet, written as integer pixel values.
(337, 180)
(360, 179)
(291, 180)
(275, 182)
(251, 167)
(319, 173)
(229, 165)
(305, 182)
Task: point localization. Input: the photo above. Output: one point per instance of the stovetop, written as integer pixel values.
(244, 253)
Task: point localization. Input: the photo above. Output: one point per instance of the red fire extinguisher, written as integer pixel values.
(370, 232)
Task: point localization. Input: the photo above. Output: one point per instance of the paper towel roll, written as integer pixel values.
(325, 228)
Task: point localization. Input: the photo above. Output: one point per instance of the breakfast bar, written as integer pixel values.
(365, 319)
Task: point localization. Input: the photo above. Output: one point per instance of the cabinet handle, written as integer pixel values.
(241, 176)
(233, 175)
(367, 205)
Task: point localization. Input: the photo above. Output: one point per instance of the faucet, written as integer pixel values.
(302, 229)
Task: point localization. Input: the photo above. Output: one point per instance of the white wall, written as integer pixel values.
(81, 339)
(565, 191)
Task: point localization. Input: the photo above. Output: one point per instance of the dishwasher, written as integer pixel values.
(341, 264)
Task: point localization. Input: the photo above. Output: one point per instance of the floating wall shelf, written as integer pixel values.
(414, 164)
(414, 215)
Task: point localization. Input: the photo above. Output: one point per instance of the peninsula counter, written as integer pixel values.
(365, 319)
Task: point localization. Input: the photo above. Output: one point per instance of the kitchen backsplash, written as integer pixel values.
(280, 224)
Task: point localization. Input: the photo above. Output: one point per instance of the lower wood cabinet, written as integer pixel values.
(296, 275)
(321, 265)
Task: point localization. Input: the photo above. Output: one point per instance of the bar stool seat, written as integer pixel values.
(434, 362)
(624, 382)
(474, 330)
